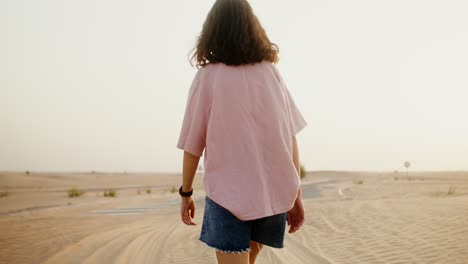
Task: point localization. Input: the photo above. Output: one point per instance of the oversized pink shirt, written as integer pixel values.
(244, 118)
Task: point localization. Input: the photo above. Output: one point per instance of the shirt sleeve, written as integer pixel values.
(295, 118)
(192, 136)
(297, 121)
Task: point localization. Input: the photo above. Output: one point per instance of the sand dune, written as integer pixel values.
(351, 217)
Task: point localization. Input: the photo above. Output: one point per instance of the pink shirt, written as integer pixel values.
(244, 118)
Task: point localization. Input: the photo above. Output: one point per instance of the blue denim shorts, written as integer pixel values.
(226, 233)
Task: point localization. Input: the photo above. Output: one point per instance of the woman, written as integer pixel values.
(240, 112)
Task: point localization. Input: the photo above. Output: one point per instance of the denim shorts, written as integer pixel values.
(224, 232)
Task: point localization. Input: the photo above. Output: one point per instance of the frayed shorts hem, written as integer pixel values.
(269, 244)
(226, 251)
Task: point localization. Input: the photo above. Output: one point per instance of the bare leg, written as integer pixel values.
(255, 248)
(232, 258)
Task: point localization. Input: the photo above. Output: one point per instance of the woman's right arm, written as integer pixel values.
(295, 216)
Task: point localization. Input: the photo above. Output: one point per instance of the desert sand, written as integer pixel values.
(351, 217)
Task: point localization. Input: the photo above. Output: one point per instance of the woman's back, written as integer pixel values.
(245, 117)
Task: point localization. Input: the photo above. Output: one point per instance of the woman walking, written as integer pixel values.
(241, 114)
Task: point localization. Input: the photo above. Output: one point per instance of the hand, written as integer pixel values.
(187, 210)
(295, 216)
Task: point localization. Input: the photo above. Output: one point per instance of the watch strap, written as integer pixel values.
(185, 194)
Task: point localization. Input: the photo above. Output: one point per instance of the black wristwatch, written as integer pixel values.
(185, 194)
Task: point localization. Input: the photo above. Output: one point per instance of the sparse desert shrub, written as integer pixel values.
(148, 191)
(110, 193)
(451, 191)
(359, 181)
(28, 172)
(74, 192)
(3, 194)
(303, 172)
(395, 178)
(138, 191)
(173, 189)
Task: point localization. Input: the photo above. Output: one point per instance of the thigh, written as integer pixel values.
(224, 231)
(269, 230)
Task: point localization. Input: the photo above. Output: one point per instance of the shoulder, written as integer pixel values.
(208, 71)
(204, 72)
(273, 70)
(203, 80)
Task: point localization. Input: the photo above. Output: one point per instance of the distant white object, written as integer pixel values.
(340, 192)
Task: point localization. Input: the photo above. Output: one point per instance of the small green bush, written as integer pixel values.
(110, 193)
(148, 191)
(451, 191)
(174, 189)
(359, 181)
(303, 172)
(74, 192)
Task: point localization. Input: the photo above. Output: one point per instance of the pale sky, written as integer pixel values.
(102, 84)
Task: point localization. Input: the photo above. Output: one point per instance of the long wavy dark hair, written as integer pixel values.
(233, 35)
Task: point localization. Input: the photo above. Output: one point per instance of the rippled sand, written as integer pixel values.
(351, 217)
